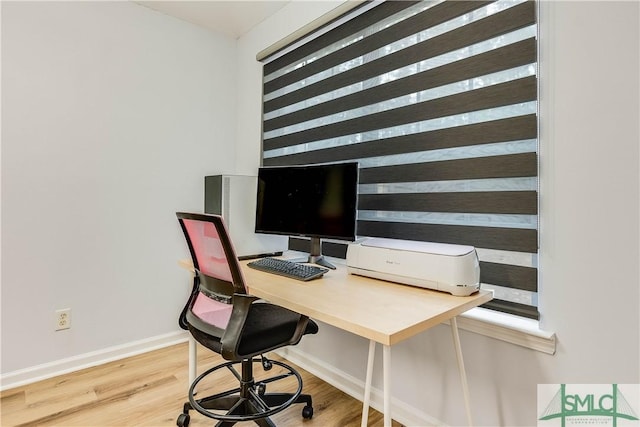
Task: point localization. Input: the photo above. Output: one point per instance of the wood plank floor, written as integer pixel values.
(149, 390)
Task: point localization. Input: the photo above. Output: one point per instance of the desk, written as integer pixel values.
(383, 312)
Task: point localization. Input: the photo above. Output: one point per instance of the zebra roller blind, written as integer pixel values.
(437, 101)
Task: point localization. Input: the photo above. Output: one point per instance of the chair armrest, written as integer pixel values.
(233, 333)
(300, 329)
(182, 320)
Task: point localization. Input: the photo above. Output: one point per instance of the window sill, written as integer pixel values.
(507, 327)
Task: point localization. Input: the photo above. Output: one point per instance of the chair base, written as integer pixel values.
(249, 401)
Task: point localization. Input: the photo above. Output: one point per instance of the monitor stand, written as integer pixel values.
(315, 255)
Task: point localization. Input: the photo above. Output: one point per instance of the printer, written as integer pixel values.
(443, 267)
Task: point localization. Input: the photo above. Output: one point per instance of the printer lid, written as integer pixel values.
(415, 246)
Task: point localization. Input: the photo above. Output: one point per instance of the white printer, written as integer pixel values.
(450, 268)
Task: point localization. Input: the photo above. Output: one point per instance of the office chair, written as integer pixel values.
(222, 316)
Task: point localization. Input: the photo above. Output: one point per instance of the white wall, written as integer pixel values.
(589, 226)
(112, 114)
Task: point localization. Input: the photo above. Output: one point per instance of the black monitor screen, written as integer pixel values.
(314, 201)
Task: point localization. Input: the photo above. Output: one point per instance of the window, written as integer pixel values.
(437, 100)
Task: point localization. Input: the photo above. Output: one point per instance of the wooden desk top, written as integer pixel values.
(374, 309)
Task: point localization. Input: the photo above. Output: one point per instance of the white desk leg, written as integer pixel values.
(386, 376)
(463, 375)
(367, 385)
(193, 360)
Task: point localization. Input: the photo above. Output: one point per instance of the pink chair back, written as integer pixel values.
(215, 262)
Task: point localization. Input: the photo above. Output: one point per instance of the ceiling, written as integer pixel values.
(232, 18)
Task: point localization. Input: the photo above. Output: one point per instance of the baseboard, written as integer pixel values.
(405, 414)
(88, 360)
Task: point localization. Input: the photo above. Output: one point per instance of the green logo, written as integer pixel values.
(585, 407)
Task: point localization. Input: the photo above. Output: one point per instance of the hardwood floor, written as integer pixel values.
(149, 390)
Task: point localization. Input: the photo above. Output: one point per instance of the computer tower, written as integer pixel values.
(234, 197)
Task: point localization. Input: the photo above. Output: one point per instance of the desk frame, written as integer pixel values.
(386, 378)
(403, 311)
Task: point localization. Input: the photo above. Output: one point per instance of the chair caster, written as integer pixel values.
(307, 412)
(183, 420)
(261, 388)
(266, 363)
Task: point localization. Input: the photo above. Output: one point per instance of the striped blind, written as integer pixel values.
(437, 100)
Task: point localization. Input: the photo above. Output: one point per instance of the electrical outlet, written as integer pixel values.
(63, 319)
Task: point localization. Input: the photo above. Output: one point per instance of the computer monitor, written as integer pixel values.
(316, 201)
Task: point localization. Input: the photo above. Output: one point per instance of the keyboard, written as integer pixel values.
(286, 268)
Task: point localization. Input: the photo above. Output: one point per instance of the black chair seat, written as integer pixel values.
(266, 326)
